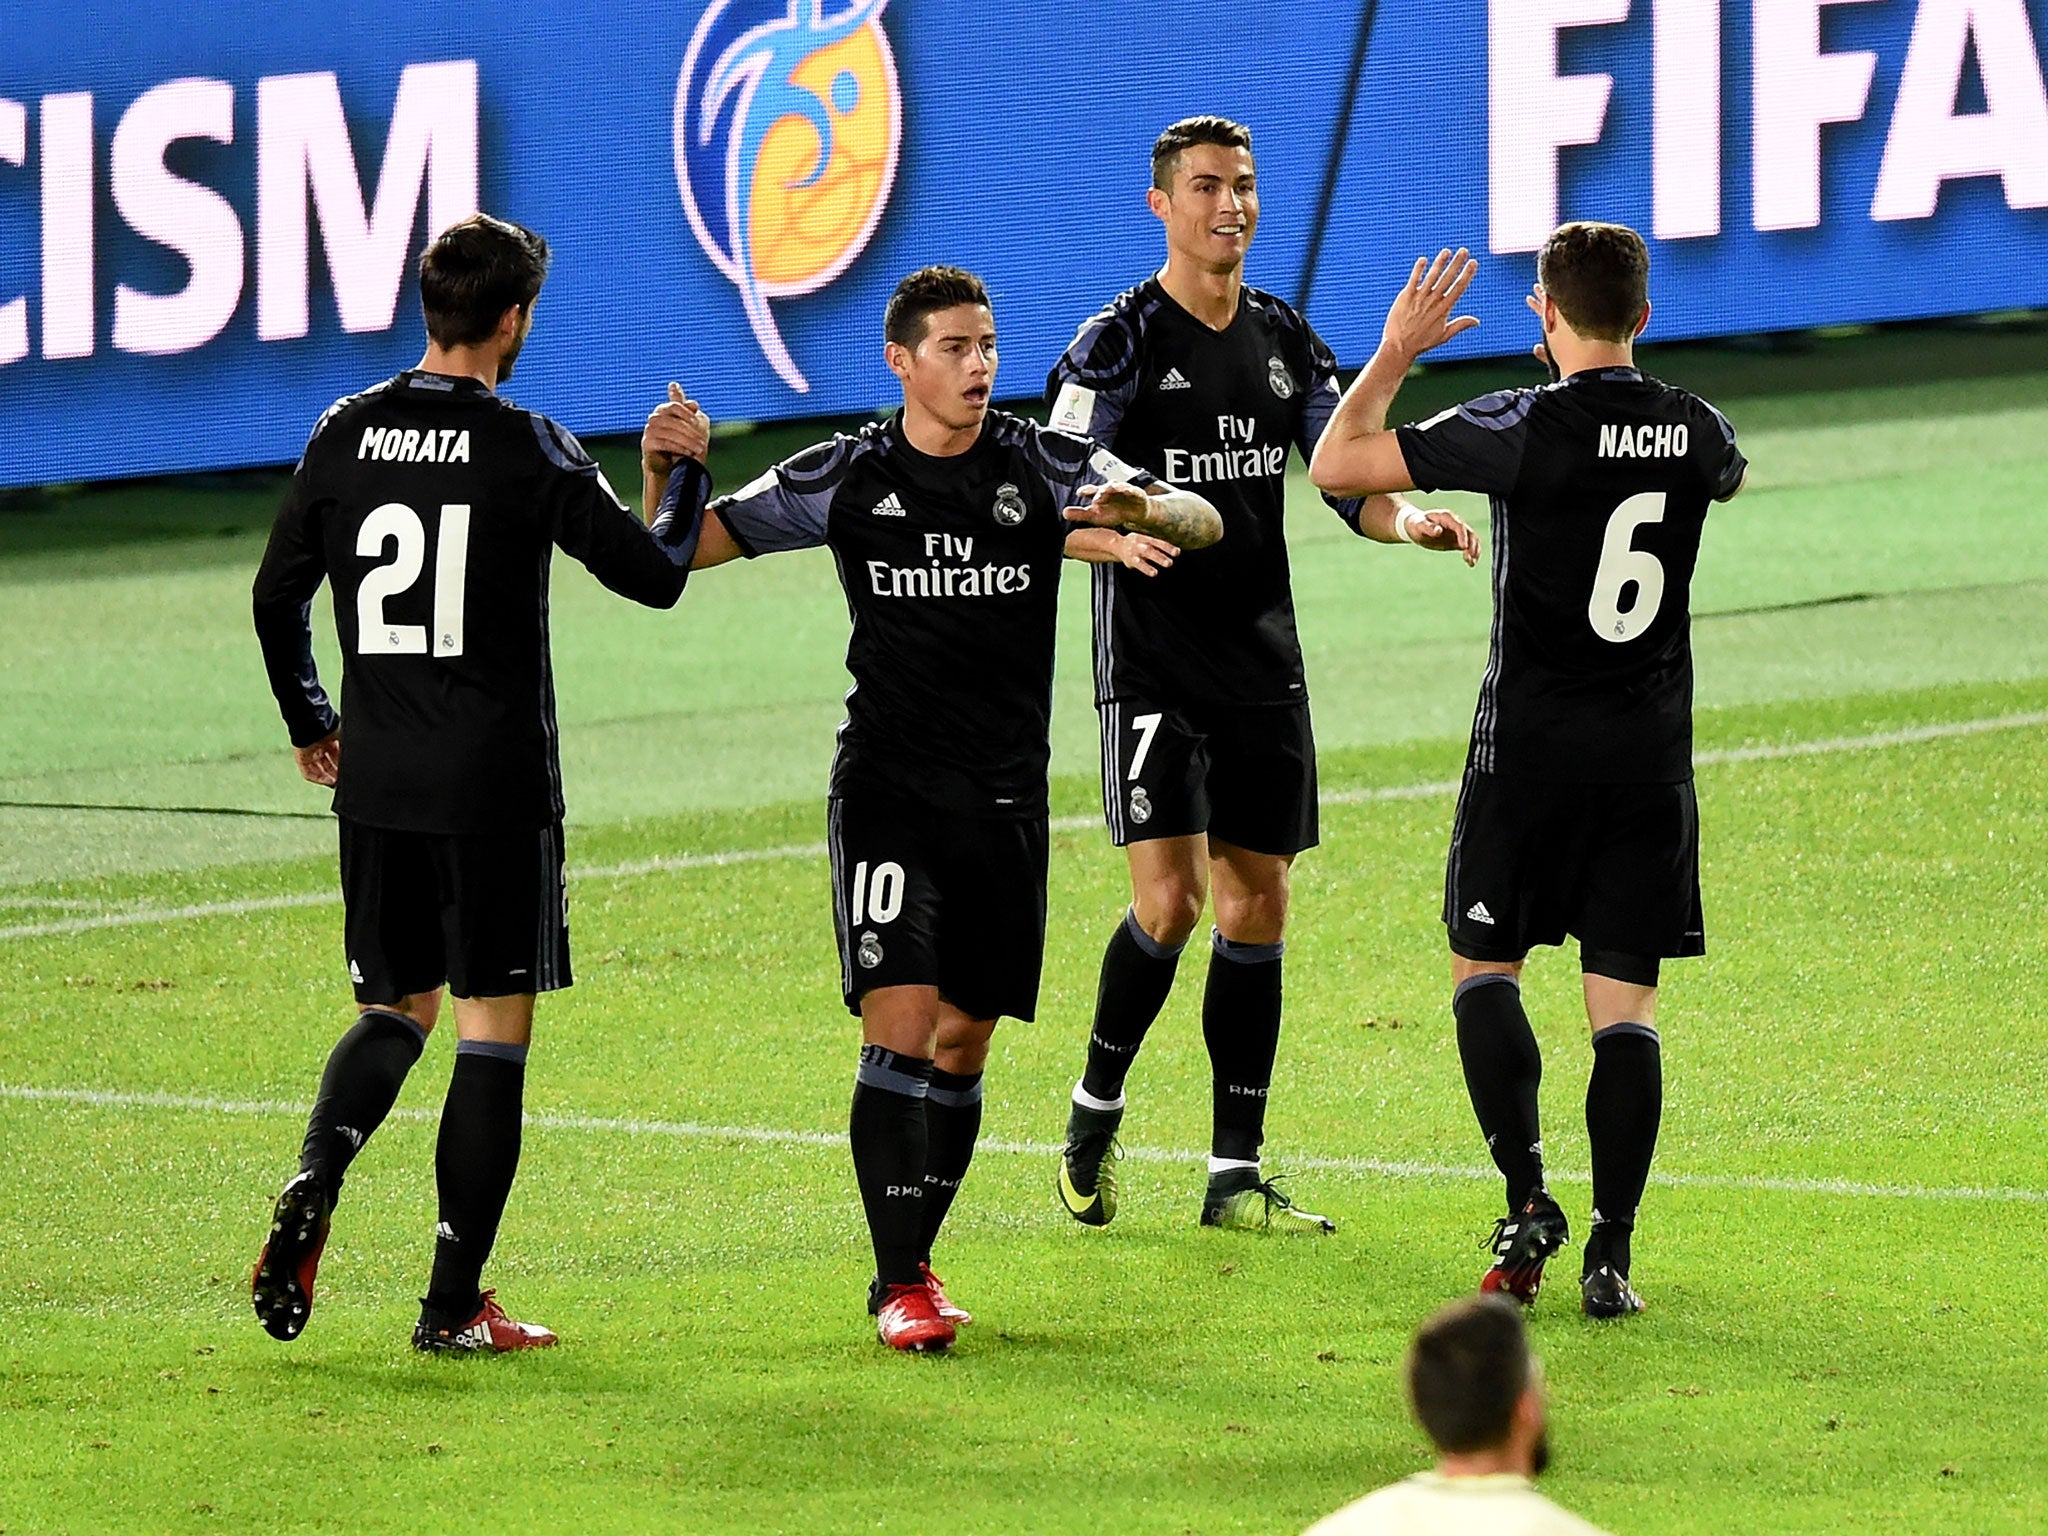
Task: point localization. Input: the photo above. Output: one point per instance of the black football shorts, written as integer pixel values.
(486, 913)
(1616, 866)
(1245, 774)
(923, 897)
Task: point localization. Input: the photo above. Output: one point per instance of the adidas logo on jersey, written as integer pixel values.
(1175, 379)
(1477, 913)
(888, 506)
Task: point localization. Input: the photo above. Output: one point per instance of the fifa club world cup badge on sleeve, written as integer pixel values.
(1009, 505)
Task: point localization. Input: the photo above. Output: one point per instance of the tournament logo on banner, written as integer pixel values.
(787, 127)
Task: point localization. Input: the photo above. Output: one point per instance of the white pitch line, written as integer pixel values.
(691, 1130)
(1828, 746)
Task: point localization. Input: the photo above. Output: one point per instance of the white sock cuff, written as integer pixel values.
(1088, 1100)
(1225, 1164)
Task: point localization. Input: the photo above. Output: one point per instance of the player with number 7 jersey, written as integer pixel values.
(433, 509)
(1577, 816)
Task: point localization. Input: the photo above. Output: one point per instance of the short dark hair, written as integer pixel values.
(474, 271)
(1187, 133)
(1468, 1367)
(923, 294)
(1599, 274)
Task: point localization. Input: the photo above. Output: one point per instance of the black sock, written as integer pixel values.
(952, 1119)
(364, 1072)
(1137, 973)
(889, 1149)
(474, 1162)
(1624, 1102)
(1241, 1026)
(1503, 1069)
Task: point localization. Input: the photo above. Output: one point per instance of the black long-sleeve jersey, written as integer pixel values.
(951, 568)
(1600, 485)
(434, 508)
(1214, 411)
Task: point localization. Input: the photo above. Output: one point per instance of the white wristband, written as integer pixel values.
(1401, 519)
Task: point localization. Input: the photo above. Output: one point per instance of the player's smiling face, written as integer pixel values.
(950, 375)
(1213, 208)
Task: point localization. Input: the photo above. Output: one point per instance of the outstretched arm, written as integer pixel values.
(1180, 518)
(1358, 456)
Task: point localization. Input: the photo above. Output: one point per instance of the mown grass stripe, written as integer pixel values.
(691, 1130)
(1765, 752)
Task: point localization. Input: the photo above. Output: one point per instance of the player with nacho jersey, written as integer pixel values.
(948, 523)
(1577, 815)
(1208, 760)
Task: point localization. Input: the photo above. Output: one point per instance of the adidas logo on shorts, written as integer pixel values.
(1175, 379)
(1477, 913)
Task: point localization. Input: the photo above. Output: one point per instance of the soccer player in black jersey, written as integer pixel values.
(432, 506)
(1577, 815)
(948, 522)
(1208, 764)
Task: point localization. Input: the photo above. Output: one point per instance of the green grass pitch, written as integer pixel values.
(1837, 1246)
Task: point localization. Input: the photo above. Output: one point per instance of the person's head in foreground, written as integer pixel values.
(1476, 1388)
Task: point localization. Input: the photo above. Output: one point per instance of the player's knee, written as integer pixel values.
(422, 1008)
(1168, 911)
(962, 1054)
(1253, 917)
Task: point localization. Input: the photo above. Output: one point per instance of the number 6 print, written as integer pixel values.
(1622, 563)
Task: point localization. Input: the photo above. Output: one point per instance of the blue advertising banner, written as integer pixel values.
(208, 217)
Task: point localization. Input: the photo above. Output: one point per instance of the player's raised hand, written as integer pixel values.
(1107, 506)
(1421, 315)
(1445, 532)
(320, 763)
(676, 429)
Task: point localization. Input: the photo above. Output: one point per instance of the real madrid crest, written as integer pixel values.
(870, 952)
(1141, 805)
(1009, 505)
(1278, 376)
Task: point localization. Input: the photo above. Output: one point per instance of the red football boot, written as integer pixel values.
(908, 1319)
(282, 1286)
(490, 1332)
(1521, 1244)
(957, 1315)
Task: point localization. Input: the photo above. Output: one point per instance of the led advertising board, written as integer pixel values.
(208, 216)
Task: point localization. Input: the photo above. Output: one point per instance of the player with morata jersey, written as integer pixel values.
(1577, 814)
(433, 507)
(948, 522)
(1208, 763)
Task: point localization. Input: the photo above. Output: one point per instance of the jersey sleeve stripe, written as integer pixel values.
(560, 447)
(1498, 412)
(1103, 353)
